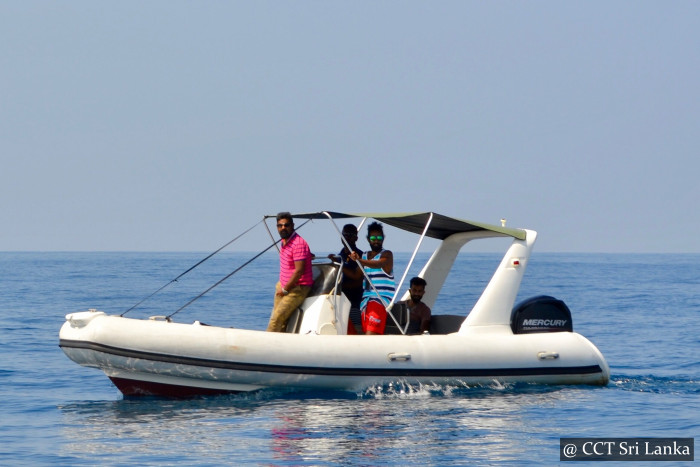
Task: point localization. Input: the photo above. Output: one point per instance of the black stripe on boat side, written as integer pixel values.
(314, 370)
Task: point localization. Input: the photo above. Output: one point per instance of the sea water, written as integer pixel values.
(642, 311)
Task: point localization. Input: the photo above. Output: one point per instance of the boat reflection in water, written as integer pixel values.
(385, 425)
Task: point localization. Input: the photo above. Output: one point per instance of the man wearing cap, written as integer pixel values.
(352, 275)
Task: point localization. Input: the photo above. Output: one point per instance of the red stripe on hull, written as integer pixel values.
(132, 387)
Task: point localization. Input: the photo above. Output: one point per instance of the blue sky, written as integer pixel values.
(174, 126)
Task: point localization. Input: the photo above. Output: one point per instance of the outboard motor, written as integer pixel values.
(541, 314)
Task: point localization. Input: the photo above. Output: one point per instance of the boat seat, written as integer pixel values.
(324, 281)
(324, 278)
(439, 324)
(294, 322)
(445, 324)
(400, 312)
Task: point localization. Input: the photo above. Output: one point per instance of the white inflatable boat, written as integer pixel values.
(497, 340)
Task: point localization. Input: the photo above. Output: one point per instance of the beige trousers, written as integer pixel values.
(285, 305)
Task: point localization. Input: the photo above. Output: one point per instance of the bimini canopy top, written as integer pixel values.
(441, 226)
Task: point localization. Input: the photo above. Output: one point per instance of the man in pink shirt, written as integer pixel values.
(296, 277)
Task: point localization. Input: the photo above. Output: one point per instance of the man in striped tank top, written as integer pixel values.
(378, 264)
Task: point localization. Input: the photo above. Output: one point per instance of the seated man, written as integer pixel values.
(419, 312)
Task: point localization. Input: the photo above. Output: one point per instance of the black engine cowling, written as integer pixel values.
(541, 314)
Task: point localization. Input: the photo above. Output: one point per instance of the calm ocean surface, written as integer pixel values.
(642, 311)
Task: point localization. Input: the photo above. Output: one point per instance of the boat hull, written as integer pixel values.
(150, 357)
